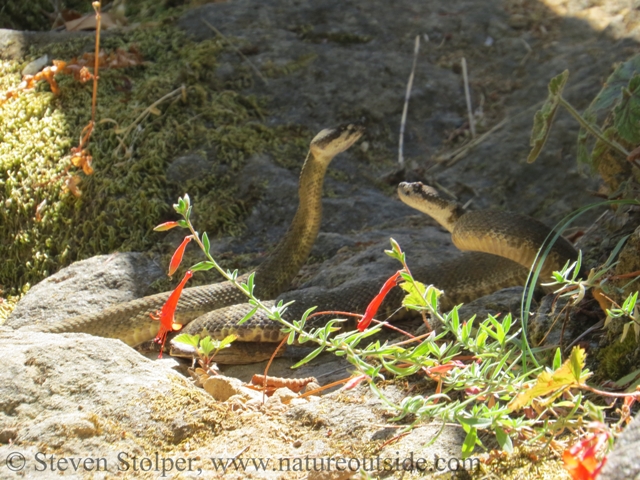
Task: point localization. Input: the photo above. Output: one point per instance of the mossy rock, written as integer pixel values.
(618, 358)
(46, 227)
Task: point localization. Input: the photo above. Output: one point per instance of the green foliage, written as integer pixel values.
(612, 96)
(488, 394)
(206, 348)
(544, 117)
(626, 119)
(629, 309)
(627, 113)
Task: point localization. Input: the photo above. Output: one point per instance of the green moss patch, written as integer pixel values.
(129, 193)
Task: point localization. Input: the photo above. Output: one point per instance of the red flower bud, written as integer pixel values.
(372, 309)
(178, 254)
(165, 226)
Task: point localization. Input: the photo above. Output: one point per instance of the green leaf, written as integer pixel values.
(180, 207)
(305, 315)
(415, 294)
(248, 315)
(206, 265)
(186, 339)
(422, 349)
(469, 442)
(309, 357)
(600, 149)
(504, 440)
(432, 296)
(578, 359)
(500, 365)
(557, 359)
(226, 341)
(601, 106)
(455, 320)
(506, 323)
(475, 422)
(183, 223)
(396, 251)
(207, 346)
(627, 112)
(400, 371)
(205, 242)
(250, 280)
(544, 117)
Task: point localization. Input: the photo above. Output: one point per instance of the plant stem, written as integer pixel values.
(97, 6)
(592, 129)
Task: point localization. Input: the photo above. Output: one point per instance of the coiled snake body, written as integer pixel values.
(504, 245)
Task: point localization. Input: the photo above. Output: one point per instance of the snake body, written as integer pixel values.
(131, 321)
(504, 246)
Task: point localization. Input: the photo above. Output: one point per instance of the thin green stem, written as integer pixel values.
(595, 131)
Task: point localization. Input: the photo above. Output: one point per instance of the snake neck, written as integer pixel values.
(276, 272)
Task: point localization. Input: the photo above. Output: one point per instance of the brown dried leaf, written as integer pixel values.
(71, 183)
(86, 166)
(40, 209)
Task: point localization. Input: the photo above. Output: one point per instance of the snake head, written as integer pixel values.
(427, 200)
(332, 141)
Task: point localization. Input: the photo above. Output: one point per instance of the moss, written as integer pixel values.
(7, 305)
(310, 34)
(618, 358)
(272, 69)
(129, 193)
(30, 15)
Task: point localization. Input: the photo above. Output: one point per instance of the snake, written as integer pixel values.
(499, 246)
(131, 321)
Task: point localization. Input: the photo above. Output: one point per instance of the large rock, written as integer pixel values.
(623, 462)
(87, 286)
(78, 395)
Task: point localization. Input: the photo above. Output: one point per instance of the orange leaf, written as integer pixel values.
(86, 165)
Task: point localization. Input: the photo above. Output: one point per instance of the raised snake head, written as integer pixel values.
(332, 141)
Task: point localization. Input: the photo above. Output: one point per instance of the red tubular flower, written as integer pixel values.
(580, 459)
(167, 314)
(372, 309)
(177, 255)
(165, 226)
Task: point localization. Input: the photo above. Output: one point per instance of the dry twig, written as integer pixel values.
(416, 49)
(467, 96)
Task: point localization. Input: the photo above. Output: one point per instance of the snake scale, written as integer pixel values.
(503, 247)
